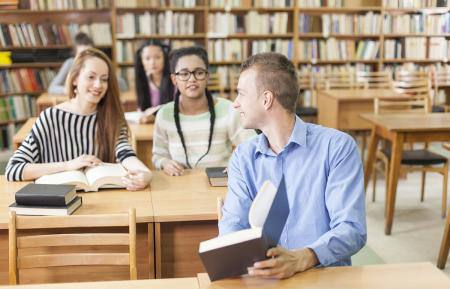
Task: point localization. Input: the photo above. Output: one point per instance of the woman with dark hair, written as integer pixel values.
(153, 84)
(84, 131)
(194, 130)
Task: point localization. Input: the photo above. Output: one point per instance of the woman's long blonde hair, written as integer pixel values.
(110, 117)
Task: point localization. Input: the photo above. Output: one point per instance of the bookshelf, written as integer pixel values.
(317, 35)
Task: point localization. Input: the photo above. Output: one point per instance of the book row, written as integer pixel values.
(223, 24)
(414, 3)
(238, 50)
(369, 23)
(155, 3)
(167, 23)
(17, 107)
(417, 23)
(38, 5)
(333, 49)
(250, 3)
(417, 48)
(7, 133)
(25, 80)
(45, 34)
(320, 3)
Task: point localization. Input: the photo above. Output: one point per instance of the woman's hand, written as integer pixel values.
(137, 179)
(147, 119)
(172, 168)
(82, 162)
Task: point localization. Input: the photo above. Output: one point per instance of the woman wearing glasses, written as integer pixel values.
(194, 130)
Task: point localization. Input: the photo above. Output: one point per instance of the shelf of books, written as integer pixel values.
(36, 36)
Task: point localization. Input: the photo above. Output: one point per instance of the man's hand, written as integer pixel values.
(284, 263)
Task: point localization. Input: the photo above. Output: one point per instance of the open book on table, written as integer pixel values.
(105, 175)
(230, 255)
(135, 116)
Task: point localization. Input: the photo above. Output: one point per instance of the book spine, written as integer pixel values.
(40, 200)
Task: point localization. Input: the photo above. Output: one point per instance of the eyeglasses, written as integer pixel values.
(184, 75)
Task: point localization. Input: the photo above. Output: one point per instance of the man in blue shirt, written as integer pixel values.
(321, 166)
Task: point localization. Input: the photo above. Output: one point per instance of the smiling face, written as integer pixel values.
(152, 57)
(92, 81)
(192, 87)
(248, 101)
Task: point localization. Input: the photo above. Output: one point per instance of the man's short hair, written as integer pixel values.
(277, 74)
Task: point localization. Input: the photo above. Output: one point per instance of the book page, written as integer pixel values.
(261, 205)
(68, 177)
(106, 174)
(133, 116)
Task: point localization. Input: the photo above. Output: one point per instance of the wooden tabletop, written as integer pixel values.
(358, 94)
(411, 122)
(174, 283)
(392, 276)
(108, 201)
(185, 198)
(23, 132)
(142, 131)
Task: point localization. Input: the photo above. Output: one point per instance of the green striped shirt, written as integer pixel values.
(227, 132)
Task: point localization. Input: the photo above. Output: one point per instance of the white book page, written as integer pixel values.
(133, 116)
(261, 205)
(230, 239)
(105, 174)
(68, 177)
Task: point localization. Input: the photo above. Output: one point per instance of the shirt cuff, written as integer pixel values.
(323, 253)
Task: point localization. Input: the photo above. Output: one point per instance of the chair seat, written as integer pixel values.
(306, 111)
(418, 157)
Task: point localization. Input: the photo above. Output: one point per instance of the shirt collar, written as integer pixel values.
(298, 137)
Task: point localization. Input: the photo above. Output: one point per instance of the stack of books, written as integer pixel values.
(40, 199)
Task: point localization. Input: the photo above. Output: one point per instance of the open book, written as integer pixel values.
(230, 255)
(135, 116)
(106, 175)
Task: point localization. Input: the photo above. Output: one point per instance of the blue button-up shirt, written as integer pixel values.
(325, 187)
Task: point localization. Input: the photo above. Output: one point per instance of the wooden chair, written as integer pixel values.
(28, 251)
(445, 243)
(421, 160)
(440, 79)
(215, 85)
(337, 80)
(308, 112)
(233, 80)
(380, 79)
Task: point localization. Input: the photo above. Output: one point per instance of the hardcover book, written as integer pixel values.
(47, 210)
(45, 195)
(230, 255)
(217, 176)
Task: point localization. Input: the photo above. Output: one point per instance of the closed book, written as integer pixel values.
(47, 210)
(230, 255)
(45, 195)
(217, 176)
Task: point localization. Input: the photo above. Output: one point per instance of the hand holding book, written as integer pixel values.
(82, 162)
(137, 179)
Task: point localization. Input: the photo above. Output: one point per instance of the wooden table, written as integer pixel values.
(142, 142)
(175, 283)
(23, 132)
(401, 128)
(392, 276)
(103, 202)
(185, 214)
(46, 100)
(141, 139)
(340, 108)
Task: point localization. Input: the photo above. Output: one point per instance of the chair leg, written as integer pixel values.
(386, 178)
(445, 244)
(374, 182)
(444, 191)
(422, 186)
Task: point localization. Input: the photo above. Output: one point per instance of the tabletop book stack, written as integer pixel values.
(40, 199)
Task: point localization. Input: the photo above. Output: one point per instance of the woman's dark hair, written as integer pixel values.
(174, 58)
(141, 81)
(83, 39)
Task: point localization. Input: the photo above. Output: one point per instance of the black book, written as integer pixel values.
(217, 176)
(47, 210)
(230, 255)
(45, 195)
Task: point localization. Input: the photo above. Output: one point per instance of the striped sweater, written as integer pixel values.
(59, 136)
(227, 132)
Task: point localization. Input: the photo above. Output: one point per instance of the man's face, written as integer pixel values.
(248, 103)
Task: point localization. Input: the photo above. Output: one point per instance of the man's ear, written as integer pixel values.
(268, 99)
(173, 78)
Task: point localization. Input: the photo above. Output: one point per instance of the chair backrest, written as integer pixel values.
(337, 80)
(57, 241)
(438, 79)
(307, 89)
(215, 85)
(411, 75)
(413, 98)
(379, 79)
